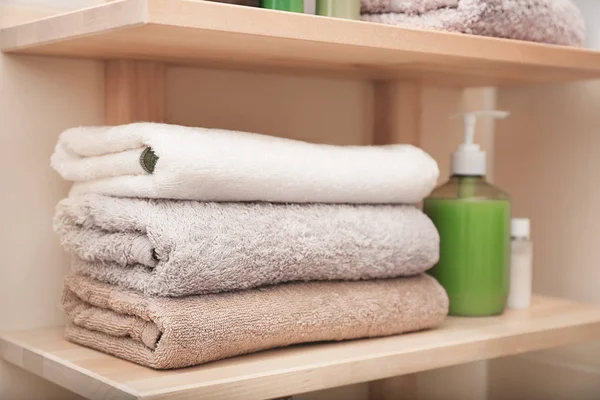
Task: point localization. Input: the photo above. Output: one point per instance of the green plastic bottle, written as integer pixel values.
(284, 5)
(473, 219)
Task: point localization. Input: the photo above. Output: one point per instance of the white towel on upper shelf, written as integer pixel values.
(220, 165)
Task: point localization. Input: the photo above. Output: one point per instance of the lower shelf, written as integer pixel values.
(548, 323)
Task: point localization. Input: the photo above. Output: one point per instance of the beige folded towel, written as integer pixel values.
(162, 332)
(544, 21)
(179, 248)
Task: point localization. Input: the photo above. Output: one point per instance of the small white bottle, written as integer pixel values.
(521, 266)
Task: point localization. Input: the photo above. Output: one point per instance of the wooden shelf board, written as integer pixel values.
(229, 36)
(297, 369)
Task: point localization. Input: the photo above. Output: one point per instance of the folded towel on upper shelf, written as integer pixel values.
(162, 332)
(175, 162)
(178, 248)
(545, 21)
(404, 6)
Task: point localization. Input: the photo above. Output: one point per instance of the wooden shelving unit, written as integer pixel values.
(138, 39)
(227, 36)
(548, 323)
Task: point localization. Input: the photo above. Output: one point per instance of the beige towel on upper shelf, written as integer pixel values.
(178, 248)
(544, 21)
(162, 332)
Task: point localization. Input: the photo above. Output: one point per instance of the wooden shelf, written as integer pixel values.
(548, 323)
(228, 36)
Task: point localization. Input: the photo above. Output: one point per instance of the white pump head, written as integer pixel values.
(468, 159)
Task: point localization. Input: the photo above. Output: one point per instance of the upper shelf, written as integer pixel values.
(229, 36)
(304, 368)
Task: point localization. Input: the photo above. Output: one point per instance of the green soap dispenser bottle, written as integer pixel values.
(473, 219)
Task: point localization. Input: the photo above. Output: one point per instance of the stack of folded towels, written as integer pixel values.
(545, 21)
(193, 245)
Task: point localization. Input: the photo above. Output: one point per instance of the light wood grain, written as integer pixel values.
(229, 36)
(135, 92)
(397, 112)
(397, 388)
(396, 119)
(548, 323)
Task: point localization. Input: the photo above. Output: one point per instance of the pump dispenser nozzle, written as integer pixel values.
(468, 159)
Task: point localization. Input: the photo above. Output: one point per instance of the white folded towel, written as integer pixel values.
(219, 165)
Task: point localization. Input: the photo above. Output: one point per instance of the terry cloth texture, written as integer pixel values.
(404, 6)
(544, 21)
(162, 332)
(179, 248)
(219, 165)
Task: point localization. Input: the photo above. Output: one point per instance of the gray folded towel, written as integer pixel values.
(544, 21)
(162, 332)
(404, 6)
(179, 248)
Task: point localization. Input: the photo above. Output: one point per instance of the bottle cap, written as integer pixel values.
(469, 159)
(520, 228)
